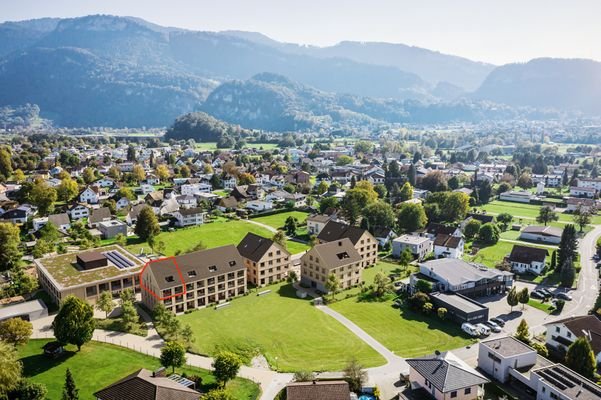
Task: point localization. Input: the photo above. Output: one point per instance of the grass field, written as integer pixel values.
(528, 213)
(493, 255)
(98, 365)
(211, 235)
(213, 146)
(277, 220)
(288, 331)
(546, 307)
(404, 332)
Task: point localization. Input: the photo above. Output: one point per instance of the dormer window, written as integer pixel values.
(191, 274)
(232, 263)
(169, 279)
(213, 268)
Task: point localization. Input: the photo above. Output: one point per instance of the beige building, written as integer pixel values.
(87, 274)
(339, 258)
(266, 261)
(201, 278)
(362, 240)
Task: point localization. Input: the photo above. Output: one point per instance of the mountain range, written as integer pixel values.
(102, 70)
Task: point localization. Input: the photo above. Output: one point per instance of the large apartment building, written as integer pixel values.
(201, 278)
(266, 261)
(339, 258)
(362, 240)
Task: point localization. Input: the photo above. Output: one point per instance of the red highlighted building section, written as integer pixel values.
(169, 267)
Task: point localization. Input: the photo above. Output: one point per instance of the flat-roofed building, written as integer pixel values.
(201, 278)
(265, 260)
(460, 308)
(420, 246)
(27, 310)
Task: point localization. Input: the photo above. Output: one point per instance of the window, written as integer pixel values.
(569, 334)
(453, 394)
(191, 274)
(557, 329)
(212, 268)
(467, 391)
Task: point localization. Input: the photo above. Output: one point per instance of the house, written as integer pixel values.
(189, 216)
(434, 229)
(79, 211)
(201, 278)
(146, 385)
(316, 222)
(587, 192)
(152, 179)
(419, 246)
(297, 200)
(575, 204)
(227, 203)
(364, 242)
(527, 259)
(265, 260)
(384, 235)
(446, 376)
(298, 178)
(318, 390)
(259, 205)
(194, 188)
(16, 216)
(562, 333)
(517, 196)
(168, 207)
(61, 221)
(448, 246)
(458, 276)
(594, 183)
(132, 216)
(112, 228)
(187, 201)
(229, 182)
(460, 308)
(502, 357)
(105, 182)
(89, 195)
(28, 310)
(338, 257)
(483, 218)
(546, 234)
(98, 215)
(122, 203)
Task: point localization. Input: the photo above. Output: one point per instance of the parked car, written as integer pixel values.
(564, 296)
(470, 329)
(498, 321)
(483, 329)
(537, 294)
(493, 327)
(546, 292)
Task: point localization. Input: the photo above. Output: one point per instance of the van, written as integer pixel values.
(470, 329)
(483, 329)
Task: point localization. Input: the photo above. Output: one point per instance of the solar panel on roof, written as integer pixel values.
(119, 259)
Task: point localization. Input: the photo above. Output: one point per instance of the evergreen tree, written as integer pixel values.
(567, 273)
(581, 358)
(406, 192)
(484, 192)
(412, 175)
(568, 245)
(353, 182)
(553, 260)
(70, 391)
(523, 297)
(523, 332)
(512, 298)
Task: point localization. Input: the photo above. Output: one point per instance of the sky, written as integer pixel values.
(494, 31)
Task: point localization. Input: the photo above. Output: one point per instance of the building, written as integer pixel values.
(259, 205)
(561, 334)
(575, 204)
(448, 246)
(460, 308)
(434, 229)
(89, 195)
(526, 259)
(546, 234)
(201, 278)
(265, 260)
(146, 385)
(98, 215)
(458, 276)
(79, 211)
(339, 258)
(112, 228)
(86, 274)
(189, 216)
(586, 192)
(593, 183)
(517, 196)
(419, 246)
(498, 357)
(445, 376)
(364, 242)
(318, 390)
(316, 222)
(29, 310)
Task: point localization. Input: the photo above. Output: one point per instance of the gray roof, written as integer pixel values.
(568, 382)
(458, 301)
(456, 271)
(336, 254)
(27, 307)
(141, 385)
(59, 219)
(254, 247)
(543, 230)
(316, 390)
(337, 230)
(447, 372)
(99, 214)
(507, 346)
(191, 211)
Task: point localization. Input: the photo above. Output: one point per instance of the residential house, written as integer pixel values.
(434, 229)
(298, 200)
(112, 228)
(316, 222)
(122, 203)
(448, 246)
(318, 390)
(562, 333)
(16, 216)
(517, 196)
(526, 259)
(419, 246)
(587, 192)
(594, 183)
(209, 276)
(189, 216)
(105, 182)
(229, 182)
(225, 204)
(446, 376)
(79, 211)
(90, 195)
(187, 201)
(338, 257)
(384, 235)
(61, 221)
(259, 205)
(98, 215)
(584, 204)
(265, 260)
(364, 242)
(546, 234)
(132, 216)
(502, 357)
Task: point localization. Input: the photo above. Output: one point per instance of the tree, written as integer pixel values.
(568, 245)
(382, 284)
(129, 315)
(582, 217)
(43, 196)
(138, 174)
(525, 181)
(246, 178)
(553, 260)
(280, 238)
(67, 190)
(412, 175)
(322, 187)
(454, 183)
(162, 172)
(484, 192)
(74, 322)
(472, 228)
(291, 225)
(406, 192)
(355, 375)
(505, 219)
(512, 298)
(147, 224)
(187, 336)
(405, 257)
(435, 181)
(344, 160)
(10, 367)
(88, 175)
(173, 355)
(523, 332)
(524, 297)
(540, 348)
(125, 192)
(218, 394)
(105, 303)
(10, 239)
(127, 295)
(546, 214)
(326, 203)
(442, 313)
(15, 331)
(120, 239)
(6, 165)
(332, 284)
(503, 187)
(489, 233)
(70, 391)
(114, 172)
(225, 367)
(581, 358)
(379, 214)
(364, 147)
(455, 206)
(567, 273)
(411, 217)
(303, 376)
(28, 390)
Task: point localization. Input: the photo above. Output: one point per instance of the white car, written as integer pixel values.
(483, 329)
(470, 329)
(494, 327)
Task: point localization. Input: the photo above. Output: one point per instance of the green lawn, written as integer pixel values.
(288, 331)
(528, 213)
(493, 255)
(277, 220)
(98, 365)
(406, 333)
(213, 146)
(546, 307)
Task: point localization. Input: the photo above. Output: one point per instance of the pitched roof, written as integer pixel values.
(190, 211)
(543, 230)
(141, 385)
(336, 254)
(526, 254)
(318, 390)
(437, 229)
(447, 372)
(447, 240)
(336, 230)
(254, 247)
(59, 219)
(99, 214)
(585, 325)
